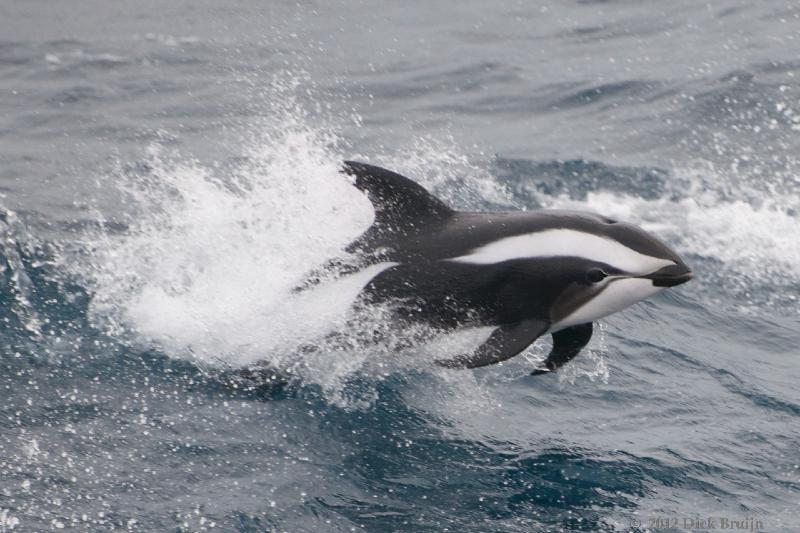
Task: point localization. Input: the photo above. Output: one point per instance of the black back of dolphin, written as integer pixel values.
(419, 231)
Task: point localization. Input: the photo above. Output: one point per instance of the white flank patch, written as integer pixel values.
(459, 342)
(565, 242)
(349, 287)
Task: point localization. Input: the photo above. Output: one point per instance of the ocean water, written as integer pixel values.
(168, 173)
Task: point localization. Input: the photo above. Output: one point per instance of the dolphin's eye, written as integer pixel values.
(595, 275)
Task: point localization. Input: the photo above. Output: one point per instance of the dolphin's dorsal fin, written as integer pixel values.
(400, 204)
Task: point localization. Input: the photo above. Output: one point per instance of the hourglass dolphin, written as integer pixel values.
(524, 274)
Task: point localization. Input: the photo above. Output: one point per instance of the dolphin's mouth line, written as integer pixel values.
(670, 276)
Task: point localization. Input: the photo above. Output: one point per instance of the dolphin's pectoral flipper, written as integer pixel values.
(567, 343)
(504, 343)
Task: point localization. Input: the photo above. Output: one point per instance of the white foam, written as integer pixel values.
(207, 265)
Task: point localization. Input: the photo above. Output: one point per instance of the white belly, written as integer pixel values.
(619, 294)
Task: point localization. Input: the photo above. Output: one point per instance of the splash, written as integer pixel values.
(208, 257)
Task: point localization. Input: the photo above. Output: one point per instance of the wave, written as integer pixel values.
(202, 263)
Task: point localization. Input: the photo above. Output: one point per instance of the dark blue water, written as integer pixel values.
(169, 172)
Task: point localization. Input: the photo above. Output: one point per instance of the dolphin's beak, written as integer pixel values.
(670, 276)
